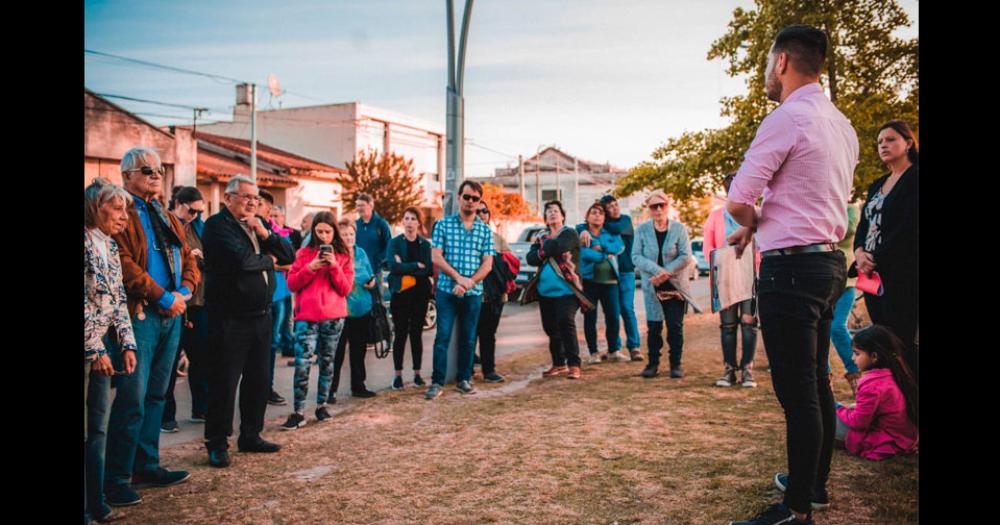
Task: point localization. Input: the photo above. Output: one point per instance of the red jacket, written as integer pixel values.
(320, 295)
(879, 425)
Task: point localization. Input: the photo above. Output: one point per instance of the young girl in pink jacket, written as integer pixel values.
(885, 420)
(321, 277)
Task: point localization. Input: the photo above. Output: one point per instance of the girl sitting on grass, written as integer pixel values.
(885, 420)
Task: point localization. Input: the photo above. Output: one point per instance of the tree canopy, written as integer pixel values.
(870, 75)
(390, 180)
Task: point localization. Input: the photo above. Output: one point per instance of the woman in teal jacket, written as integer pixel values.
(599, 269)
(359, 308)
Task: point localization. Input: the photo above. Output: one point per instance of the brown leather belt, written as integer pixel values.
(809, 248)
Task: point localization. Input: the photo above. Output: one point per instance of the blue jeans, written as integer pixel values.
(134, 427)
(97, 400)
(608, 296)
(281, 336)
(626, 296)
(838, 330)
(466, 311)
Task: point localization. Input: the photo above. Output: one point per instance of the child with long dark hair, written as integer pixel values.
(321, 278)
(885, 421)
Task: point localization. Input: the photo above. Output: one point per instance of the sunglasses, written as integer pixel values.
(483, 212)
(148, 170)
(470, 197)
(195, 212)
(657, 206)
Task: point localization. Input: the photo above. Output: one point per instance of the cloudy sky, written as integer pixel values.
(604, 80)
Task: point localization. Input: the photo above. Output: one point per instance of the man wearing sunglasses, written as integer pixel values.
(462, 249)
(160, 272)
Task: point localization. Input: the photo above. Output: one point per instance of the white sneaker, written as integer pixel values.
(594, 359)
(618, 357)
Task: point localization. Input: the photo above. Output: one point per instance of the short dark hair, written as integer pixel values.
(903, 128)
(477, 187)
(184, 195)
(595, 206)
(365, 197)
(557, 204)
(266, 195)
(607, 199)
(806, 47)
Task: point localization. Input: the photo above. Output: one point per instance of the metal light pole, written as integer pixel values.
(455, 147)
(253, 132)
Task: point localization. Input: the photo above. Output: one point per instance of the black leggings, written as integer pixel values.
(409, 311)
(356, 333)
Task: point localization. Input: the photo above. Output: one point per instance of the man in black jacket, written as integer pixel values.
(240, 256)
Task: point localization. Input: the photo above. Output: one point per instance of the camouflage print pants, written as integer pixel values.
(310, 338)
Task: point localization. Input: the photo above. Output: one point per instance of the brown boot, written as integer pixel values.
(554, 371)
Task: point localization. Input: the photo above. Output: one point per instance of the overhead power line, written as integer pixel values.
(162, 66)
(168, 104)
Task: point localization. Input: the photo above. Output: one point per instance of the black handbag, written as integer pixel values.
(379, 330)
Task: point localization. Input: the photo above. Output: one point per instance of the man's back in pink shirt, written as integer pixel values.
(802, 160)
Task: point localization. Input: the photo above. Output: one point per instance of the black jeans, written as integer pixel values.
(241, 347)
(673, 316)
(355, 333)
(409, 311)
(899, 309)
(489, 320)
(797, 297)
(559, 323)
(729, 319)
(194, 341)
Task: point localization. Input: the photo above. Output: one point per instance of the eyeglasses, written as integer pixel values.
(657, 206)
(470, 197)
(247, 197)
(148, 170)
(483, 212)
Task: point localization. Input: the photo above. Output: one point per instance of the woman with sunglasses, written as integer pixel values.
(662, 253)
(599, 269)
(494, 298)
(187, 204)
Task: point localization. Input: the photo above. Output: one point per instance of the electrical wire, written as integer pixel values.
(165, 67)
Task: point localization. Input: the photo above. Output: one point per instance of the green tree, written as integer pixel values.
(388, 178)
(870, 74)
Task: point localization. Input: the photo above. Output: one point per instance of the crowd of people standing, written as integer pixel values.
(237, 289)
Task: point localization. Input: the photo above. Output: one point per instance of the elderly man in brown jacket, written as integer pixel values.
(159, 272)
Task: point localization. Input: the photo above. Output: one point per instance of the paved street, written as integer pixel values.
(520, 329)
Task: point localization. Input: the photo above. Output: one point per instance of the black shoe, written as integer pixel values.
(295, 420)
(820, 499)
(159, 477)
(198, 418)
(676, 372)
(169, 427)
(418, 381)
(493, 377)
(322, 414)
(364, 393)
(276, 399)
(219, 458)
(774, 515)
(121, 495)
(258, 444)
(397, 383)
(649, 372)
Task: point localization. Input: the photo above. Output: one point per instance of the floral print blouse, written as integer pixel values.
(104, 302)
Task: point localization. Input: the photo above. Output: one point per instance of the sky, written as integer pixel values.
(607, 81)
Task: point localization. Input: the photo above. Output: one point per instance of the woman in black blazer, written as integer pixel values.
(888, 235)
(409, 258)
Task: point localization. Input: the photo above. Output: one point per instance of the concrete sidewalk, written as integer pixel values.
(520, 330)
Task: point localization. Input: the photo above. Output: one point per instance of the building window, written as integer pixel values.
(551, 195)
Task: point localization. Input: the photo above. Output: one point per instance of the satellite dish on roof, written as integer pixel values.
(274, 85)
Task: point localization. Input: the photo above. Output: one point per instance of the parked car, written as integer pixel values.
(520, 248)
(699, 256)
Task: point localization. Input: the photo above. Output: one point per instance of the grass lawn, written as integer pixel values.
(609, 448)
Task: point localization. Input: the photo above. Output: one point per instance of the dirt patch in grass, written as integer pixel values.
(610, 448)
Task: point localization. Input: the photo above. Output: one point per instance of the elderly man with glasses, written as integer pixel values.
(159, 272)
(240, 256)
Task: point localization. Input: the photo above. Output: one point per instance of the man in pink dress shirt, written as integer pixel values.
(802, 160)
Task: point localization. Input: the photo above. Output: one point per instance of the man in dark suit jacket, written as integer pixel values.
(240, 256)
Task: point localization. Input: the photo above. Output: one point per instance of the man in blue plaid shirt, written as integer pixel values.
(462, 249)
